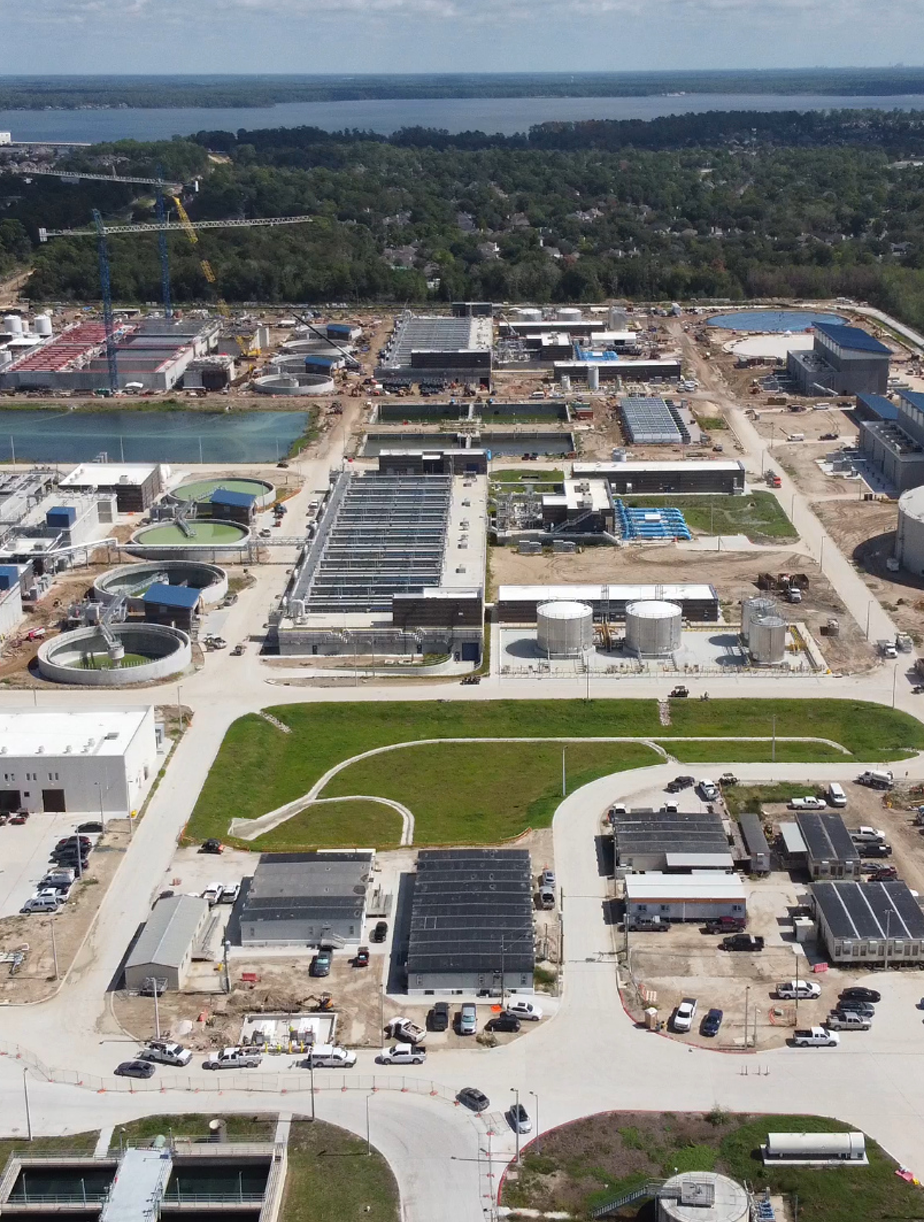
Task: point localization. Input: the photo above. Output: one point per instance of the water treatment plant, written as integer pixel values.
(117, 656)
(195, 539)
(132, 581)
(202, 489)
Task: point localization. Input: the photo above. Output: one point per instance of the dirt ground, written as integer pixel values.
(35, 979)
(732, 573)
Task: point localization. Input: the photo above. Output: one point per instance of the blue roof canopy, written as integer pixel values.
(240, 500)
(182, 597)
(881, 406)
(852, 337)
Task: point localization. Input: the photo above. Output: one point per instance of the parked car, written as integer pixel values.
(519, 1119)
(883, 874)
(519, 1007)
(874, 850)
(848, 1020)
(857, 1007)
(857, 993)
(94, 825)
(134, 1069)
(708, 790)
(742, 941)
(438, 1018)
(233, 1058)
(804, 990)
(403, 1054)
(684, 1014)
(711, 1023)
(72, 841)
(212, 893)
(166, 1053)
(640, 923)
(685, 782)
(867, 835)
(546, 898)
(329, 1056)
(547, 879)
(809, 802)
(380, 932)
(43, 903)
(405, 1030)
(361, 958)
(468, 1019)
(230, 892)
(815, 1037)
(472, 1097)
(725, 924)
(320, 964)
(211, 846)
(503, 1022)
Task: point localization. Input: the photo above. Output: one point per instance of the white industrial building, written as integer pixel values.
(78, 762)
(685, 897)
(164, 949)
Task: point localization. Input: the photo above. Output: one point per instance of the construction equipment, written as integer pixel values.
(782, 583)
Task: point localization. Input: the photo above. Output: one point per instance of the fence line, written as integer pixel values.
(225, 1080)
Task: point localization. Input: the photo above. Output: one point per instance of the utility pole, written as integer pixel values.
(25, 1091)
(54, 946)
(538, 1127)
(368, 1134)
(747, 1002)
(564, 779)
(227, 969)
(156, 1012)
(311, 1071)
(516, 1127)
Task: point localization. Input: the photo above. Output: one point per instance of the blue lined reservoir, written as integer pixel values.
(773, 320)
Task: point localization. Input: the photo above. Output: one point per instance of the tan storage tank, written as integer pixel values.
(653, 628)
(702, 1196)
(565, 629)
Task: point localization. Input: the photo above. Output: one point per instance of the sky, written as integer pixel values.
(317, 36)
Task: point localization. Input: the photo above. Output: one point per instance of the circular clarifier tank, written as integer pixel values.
(202, 489)
(136, 653)
(132, 581)
(202, 539)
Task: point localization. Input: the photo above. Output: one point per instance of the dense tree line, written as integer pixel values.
(77, 92)
(574, 212)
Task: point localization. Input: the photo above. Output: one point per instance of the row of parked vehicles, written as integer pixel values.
(67, 862)
(855, 1011)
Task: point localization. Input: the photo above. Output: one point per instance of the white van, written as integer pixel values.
(329, 1056)
(836, 795)
(42, 903)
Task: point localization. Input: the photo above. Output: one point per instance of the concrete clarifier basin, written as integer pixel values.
(294, 384)
(211, 540)
(83, 657)
(133, 581)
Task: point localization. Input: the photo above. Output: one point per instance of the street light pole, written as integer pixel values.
(747, 1003)
(894, 681)
(311, 1071)
(156, 1012)
(516, 1127)
(564, 780)
(54, 946)
(538, 1126)
(25, 1091)
(368, 1135)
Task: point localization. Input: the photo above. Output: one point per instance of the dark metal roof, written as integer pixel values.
(869, 910)
(753, 832)
(826, 837)
(914, 398)
(227, 496)
(659, 831)
(472, 911)
(165, 595)
(851, 337)
(307, 887)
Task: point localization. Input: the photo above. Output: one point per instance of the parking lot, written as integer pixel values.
(24, 851)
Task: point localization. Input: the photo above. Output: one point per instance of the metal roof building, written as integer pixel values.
(164, 949)
(756, 842)
(518, 604)
(863, 923)
(647, 420)
(658, 840)
(831, 852)
(685, 897)
(472, 922)
(318, 899)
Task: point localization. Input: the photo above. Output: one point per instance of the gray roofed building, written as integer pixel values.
(864, 923)
(756, 842)
(472, 922)
(661, 840)
(307, 898)
(164, 949)
(830, 850)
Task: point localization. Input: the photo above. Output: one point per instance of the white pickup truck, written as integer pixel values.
(684, 1014)
(233, 1058)
(406, 1031)
(165, 1053)
(815, 1037)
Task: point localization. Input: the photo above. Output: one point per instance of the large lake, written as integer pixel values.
(137, 436)
(507, 115)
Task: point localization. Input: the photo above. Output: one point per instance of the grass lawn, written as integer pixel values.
(331, 1178)
(259, 768)
(545, 475)
(72, 1143)
(584, 1164)
(334, 825)
(241, 1127)
(486, 791)
(741, 798)
(705, 752)
(758, 515)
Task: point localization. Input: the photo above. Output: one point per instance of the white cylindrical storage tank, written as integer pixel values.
(530, 314)
(566, 383)
(752, 609)
(12, 324)
(653, 628)
(568, 314)
(42, 325)
(565, 629)
(909, 538)
(695, 1195)
(767, 640)
(617, 318)
(849, 1147)
(593, 377)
